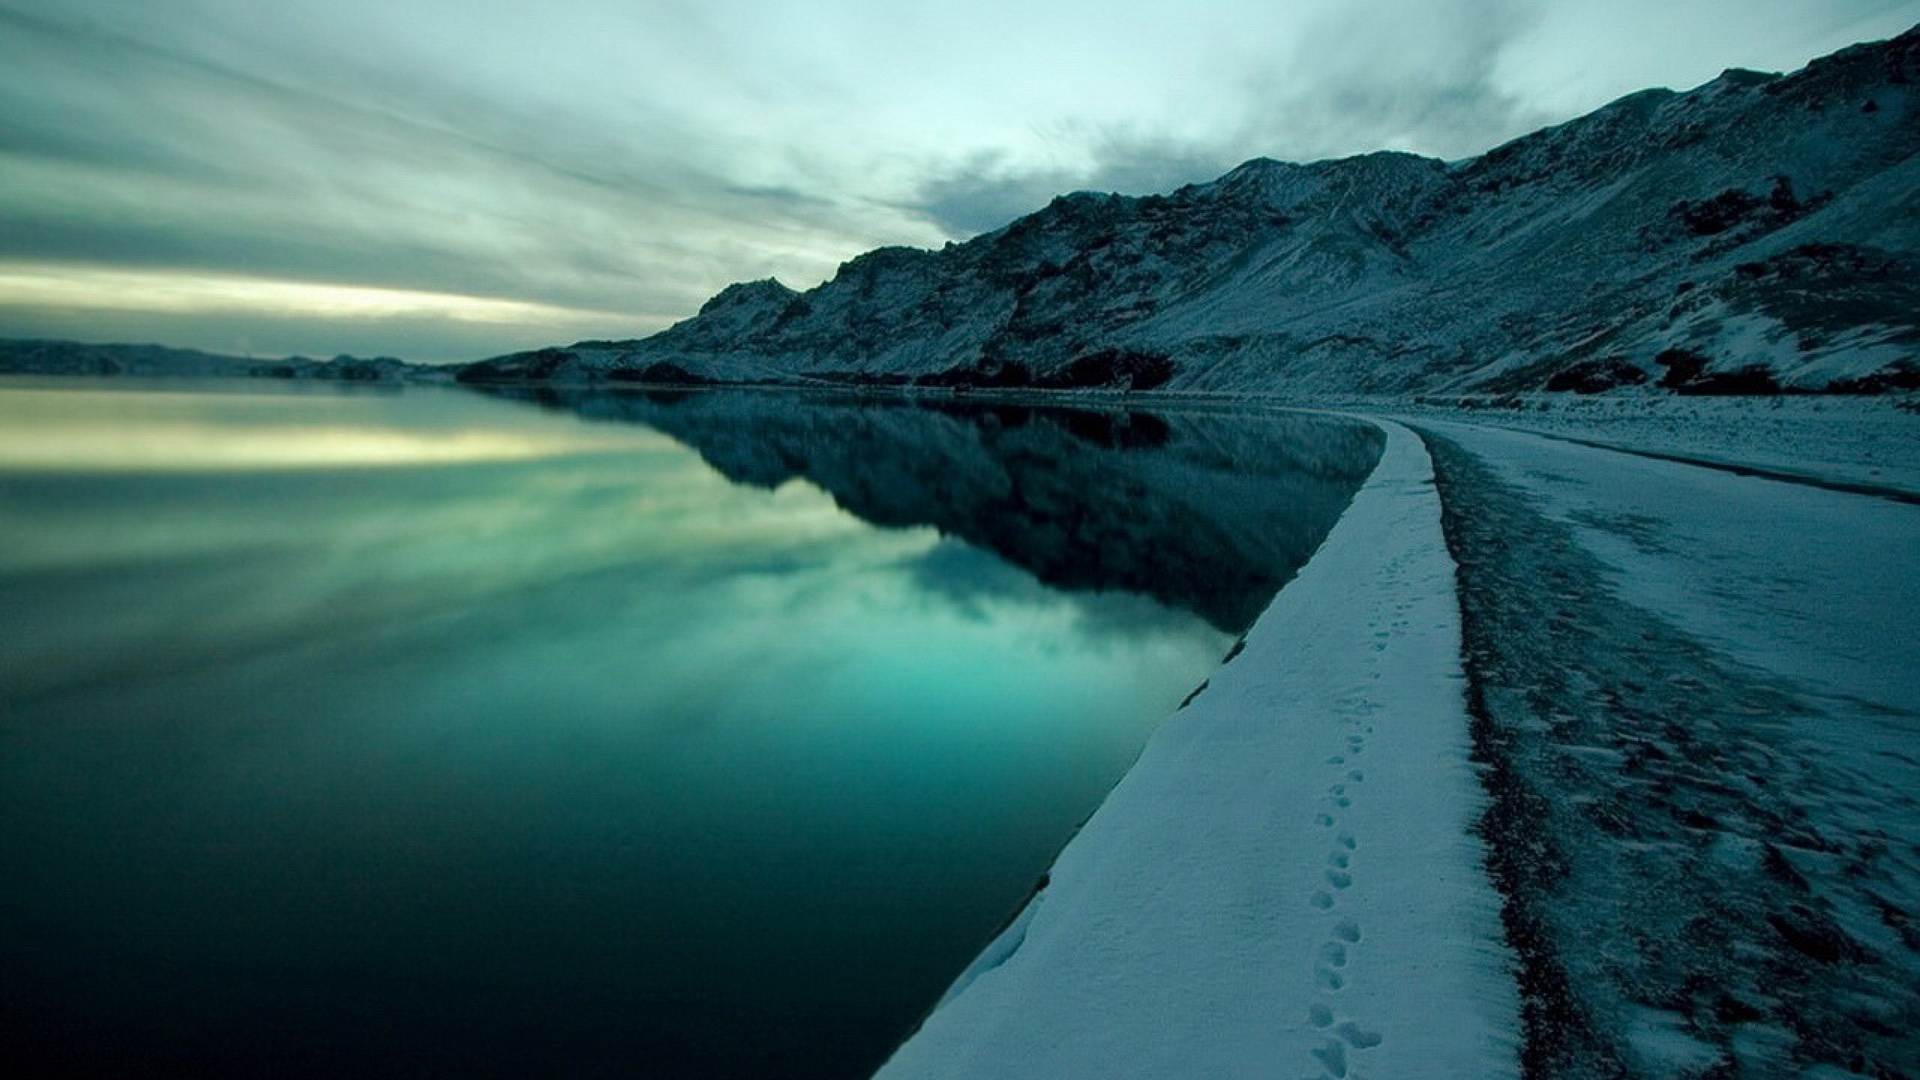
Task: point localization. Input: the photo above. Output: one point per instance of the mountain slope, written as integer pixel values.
(1758, 228)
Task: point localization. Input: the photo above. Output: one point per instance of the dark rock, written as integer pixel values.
(1111, 369)
(1899, 375)
(1683, 366)
(1597, 376)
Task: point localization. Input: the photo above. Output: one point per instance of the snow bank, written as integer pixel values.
(1867, 442)
(1288, 881)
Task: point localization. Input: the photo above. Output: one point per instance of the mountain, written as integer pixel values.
(37, 357)
(1755, 232)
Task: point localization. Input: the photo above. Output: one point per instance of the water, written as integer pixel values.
(429, 734)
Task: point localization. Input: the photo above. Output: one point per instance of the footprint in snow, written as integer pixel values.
(1333, 1058)
(1339, 879)
(1347, 930)
(1356, 774)
(1343, 802)
(1358, 1037)
(1321, 1016)
(1323, 900)
(1336, 760)
(1329, 979)
(1347, 841)
(1325, 821)
(1333, 954)
(1340, 859)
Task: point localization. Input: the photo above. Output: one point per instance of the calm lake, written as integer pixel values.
(432, 734)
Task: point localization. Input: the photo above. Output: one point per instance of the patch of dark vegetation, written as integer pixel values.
(660, 372)
(862, 378)
(1683, 366)
(1753, 380)
(1737, 208)
(1111, 369)
(1104, 369)
(985, 375)
(1687, 374)
(1473, 402)
(1899, 375)
(519, 367)
(1597, 376)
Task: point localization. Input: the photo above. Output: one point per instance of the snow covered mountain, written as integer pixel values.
(1759, 231)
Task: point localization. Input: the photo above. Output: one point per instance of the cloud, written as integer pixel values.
(1576, 56)
(987, 190)
(1335, 81)
(630, 157)
(1446, 78)
(123, 151)
(1414, 76)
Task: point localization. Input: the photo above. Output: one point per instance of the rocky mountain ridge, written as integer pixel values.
(26, 356)
(1756, 233)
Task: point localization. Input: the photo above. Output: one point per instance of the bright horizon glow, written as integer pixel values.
(73, 431)
(182, 291)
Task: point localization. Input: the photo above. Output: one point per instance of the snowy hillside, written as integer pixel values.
(1760, 230)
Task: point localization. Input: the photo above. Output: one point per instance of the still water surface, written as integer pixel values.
(430, 734)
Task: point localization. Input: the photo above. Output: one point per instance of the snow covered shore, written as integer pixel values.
(1869, 442)
(1687, 845)
(1288, 881)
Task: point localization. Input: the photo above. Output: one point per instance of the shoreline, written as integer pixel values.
(1220, 913)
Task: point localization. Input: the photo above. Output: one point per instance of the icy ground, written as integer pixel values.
(1684, 770)
(1867, 442)
(1697, 695)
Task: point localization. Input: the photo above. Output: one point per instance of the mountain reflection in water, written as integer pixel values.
(434, 735)
(1207, 512)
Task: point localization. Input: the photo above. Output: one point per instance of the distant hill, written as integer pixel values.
(31, 357)
(1756, 232)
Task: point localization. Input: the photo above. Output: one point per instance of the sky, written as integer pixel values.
(452, 179)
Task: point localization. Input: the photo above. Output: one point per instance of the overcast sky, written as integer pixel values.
(449, 179)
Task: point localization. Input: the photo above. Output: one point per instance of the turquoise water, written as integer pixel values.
(427, 734)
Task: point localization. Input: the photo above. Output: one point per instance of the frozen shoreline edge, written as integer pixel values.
(1228, 908)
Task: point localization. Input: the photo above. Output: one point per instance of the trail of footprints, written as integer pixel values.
(1345, 1040)
(1344, 1035)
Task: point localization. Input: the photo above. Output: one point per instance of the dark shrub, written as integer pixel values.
(1597, 376)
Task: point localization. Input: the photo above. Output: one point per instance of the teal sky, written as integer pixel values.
(449, 180)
